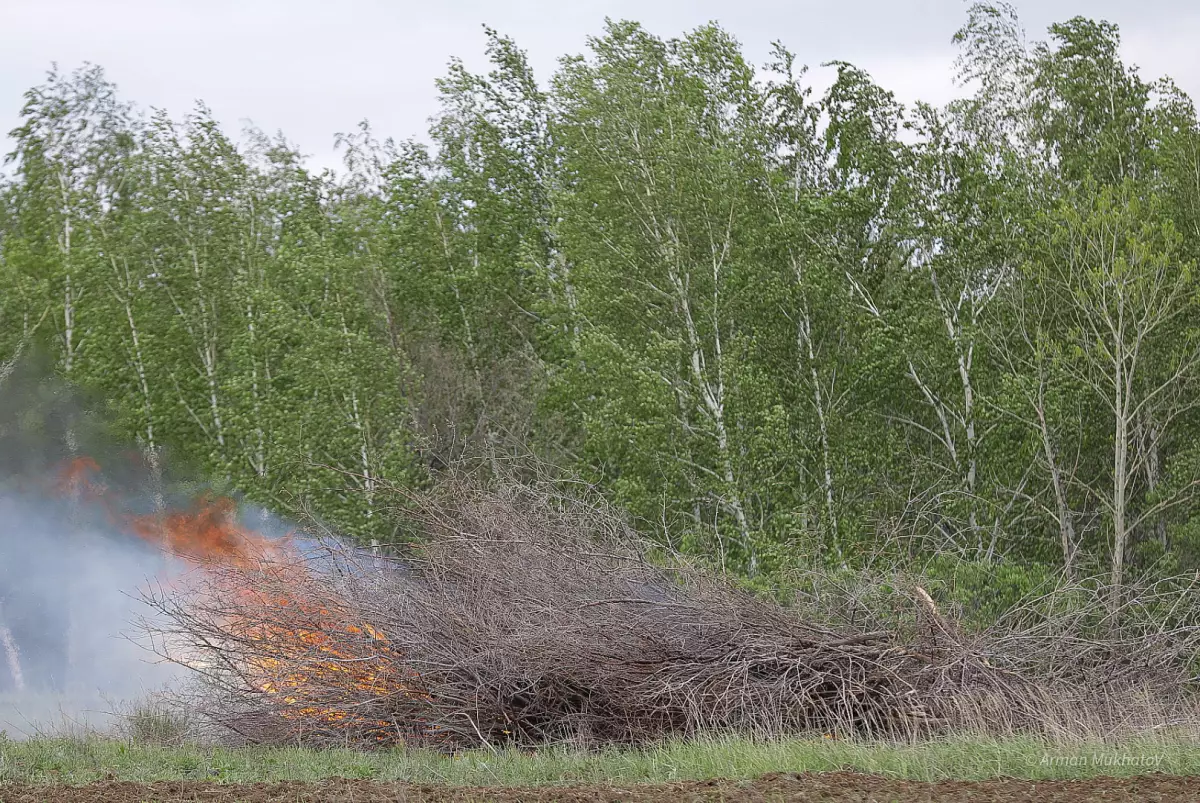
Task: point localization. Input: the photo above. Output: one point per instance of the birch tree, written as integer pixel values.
(812, 305)
(657, 216)
(1112, 271)
(69, 154)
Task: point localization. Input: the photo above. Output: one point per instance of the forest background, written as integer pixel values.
(780, 330)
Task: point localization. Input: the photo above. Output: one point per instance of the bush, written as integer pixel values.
(980, 593)
(156, 721)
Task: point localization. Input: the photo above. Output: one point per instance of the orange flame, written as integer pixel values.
(76, 479)
(205, 533)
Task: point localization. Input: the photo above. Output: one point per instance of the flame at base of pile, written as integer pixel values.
(313, 658)
(278, 633)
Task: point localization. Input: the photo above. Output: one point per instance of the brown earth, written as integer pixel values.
(836, 787)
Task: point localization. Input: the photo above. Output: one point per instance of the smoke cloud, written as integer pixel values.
(72, 569)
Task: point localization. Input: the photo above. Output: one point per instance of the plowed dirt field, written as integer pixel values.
(835, 787)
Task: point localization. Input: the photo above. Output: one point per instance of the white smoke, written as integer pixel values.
(70, 609)
(71, 578)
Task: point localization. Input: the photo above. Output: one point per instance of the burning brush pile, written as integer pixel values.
(524, 619)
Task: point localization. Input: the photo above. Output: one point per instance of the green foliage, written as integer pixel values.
(779, 329)
(983, 592)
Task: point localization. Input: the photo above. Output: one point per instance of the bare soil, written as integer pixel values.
(837, 787)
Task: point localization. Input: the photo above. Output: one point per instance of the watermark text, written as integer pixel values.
(1103, 760)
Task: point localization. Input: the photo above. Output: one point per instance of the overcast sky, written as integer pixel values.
(311, 68)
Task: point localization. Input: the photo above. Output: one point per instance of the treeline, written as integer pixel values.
(778, 328)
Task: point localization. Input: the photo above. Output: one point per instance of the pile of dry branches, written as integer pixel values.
(525, 618)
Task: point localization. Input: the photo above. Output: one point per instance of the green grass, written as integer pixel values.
(81, 760)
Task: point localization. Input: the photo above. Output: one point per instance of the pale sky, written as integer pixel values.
(310, 68)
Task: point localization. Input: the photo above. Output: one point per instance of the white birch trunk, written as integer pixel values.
(804, 336)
